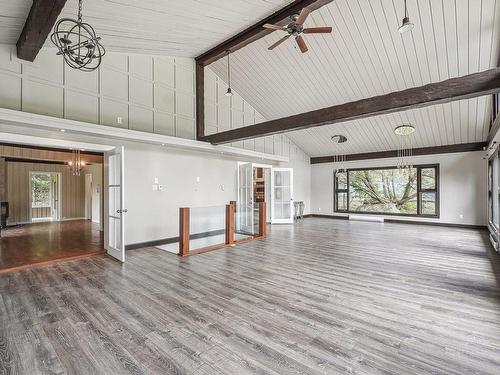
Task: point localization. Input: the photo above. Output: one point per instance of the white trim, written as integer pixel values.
(55, 124)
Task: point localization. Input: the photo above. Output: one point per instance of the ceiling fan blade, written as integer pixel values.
(273, 27)
(302, 44)
(302, 16)
(317, 30)
(279, 42)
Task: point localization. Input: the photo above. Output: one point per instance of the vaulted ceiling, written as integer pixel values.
(365, 56)
(183, 28)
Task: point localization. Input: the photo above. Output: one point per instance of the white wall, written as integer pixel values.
(150, 93)
(463, 186)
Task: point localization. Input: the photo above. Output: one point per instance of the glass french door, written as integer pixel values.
(115, 235)
(245, 220)
(282, 210)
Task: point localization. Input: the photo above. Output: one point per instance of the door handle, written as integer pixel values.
(124, 211)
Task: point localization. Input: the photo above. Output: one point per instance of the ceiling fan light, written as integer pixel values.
(406, 26)
(229, 92)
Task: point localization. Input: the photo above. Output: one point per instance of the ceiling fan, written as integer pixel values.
(296, 28)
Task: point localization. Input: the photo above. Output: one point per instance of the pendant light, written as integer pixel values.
(339, 158)
(229, 92)
(406, 25)
(405, 148)
(76, 164)
(78, 43)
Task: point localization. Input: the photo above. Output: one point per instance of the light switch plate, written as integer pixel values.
(160, 187)
(156, 180)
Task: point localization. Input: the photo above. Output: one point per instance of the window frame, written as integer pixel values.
(420, 191)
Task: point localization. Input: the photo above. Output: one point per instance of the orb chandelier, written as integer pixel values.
(78, 43)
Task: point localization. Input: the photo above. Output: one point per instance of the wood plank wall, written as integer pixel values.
(18, 186)
(40, 154)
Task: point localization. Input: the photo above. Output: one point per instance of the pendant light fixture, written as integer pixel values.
(406, 25)
(405, 148)
(229, 92)
(76, 164)
(78, 43)
(339, 158)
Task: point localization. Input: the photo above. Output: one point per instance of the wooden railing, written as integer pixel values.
(185, 236)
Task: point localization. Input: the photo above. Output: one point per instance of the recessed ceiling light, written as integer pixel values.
(163, 144)
(404, 130)
(63, 130)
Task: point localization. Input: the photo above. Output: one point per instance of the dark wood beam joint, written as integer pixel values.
(447, 149)
(41, 19)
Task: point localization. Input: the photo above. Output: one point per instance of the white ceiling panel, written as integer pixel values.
(365, 56)
(184, 28)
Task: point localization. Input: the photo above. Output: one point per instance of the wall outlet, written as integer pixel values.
(160, 187)
(198, 179)
(319, 209)
(119, 120)
(222, 187)
(461, 216)
(155, 187)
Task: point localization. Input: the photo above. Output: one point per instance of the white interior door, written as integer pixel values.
(115, 235)
(282, 195)
(245, 204)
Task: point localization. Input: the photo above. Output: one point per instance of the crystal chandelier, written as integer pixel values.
(405, 149)
(76, 164)
(339, 159)
(78, 43)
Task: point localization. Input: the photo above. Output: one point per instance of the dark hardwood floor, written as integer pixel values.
(321, 297)
(25, 245)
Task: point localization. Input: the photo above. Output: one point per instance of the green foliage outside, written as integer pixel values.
(40, 190)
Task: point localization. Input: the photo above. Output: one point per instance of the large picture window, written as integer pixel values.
(388, 190)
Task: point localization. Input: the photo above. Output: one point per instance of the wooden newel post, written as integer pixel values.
(183, 231)
(262, 219)
(229, 224)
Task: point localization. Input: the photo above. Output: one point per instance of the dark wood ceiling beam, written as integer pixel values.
(470, 86)
(448, 149)
(256, 31)
(41, 19)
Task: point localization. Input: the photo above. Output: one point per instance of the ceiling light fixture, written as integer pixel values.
(406, 25)
(78, 43)
(339, 158)
(229, 92)
(405, 148)
(76, 164)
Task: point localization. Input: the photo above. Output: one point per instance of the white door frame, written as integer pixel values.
(117, 252)
(290, 219)
(58, 212)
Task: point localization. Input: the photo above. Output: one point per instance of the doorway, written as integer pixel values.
(45, 190)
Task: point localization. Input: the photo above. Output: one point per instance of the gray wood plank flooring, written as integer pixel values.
(320, 297)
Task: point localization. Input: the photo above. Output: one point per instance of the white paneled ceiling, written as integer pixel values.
(366, 56)
(160, 27)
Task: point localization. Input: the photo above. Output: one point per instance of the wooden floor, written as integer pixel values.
(45, 242)
(321, 297)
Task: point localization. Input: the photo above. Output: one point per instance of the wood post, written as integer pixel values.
(183, 231)
(262, 219)
(229, 224)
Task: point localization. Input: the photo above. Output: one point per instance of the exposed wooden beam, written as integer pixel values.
(470, 86)
(38, 25)
(200, 101)
(448, 149)
(256, 31)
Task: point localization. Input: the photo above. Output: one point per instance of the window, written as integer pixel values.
(390, 190)
(40, 190)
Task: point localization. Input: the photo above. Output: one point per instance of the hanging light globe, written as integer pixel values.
(78, 43)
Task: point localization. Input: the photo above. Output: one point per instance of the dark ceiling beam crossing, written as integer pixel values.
(257, 30)
(447, 149)
(470, 86)
(41, 19)
(240, 40)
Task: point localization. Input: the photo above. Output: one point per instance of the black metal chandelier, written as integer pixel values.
(78, 43)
